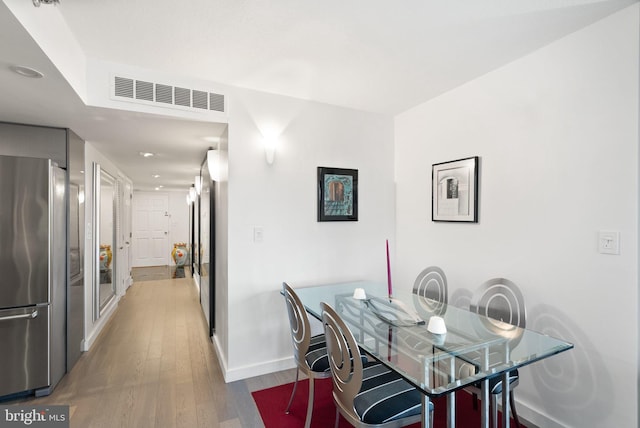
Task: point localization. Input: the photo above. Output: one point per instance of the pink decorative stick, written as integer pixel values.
(389, 272)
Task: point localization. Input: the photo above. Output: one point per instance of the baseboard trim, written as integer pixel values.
(240, 373)
(100, 323)
(221, 359)
(196, 280)
(528, 414)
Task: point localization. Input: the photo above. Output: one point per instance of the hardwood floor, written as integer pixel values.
(154, 366)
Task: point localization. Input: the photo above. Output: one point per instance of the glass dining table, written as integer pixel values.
(397, 332)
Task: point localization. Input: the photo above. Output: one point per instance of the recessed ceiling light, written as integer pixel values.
(146, 154)
(26, 71)
(156, 175)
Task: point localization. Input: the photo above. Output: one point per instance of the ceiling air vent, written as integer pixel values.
(145, 92)
(182, 96)
(123, 87)
(164, 94)
(199, 99)
(216, 102)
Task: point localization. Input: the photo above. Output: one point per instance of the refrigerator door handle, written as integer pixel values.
(32, 315)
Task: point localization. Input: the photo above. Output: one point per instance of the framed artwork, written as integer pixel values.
(337, 194)
(454, 194)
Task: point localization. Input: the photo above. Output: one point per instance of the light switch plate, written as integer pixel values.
(609, 242)
(258, 234)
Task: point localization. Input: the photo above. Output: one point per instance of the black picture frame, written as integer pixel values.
(454, 191)
(337, 194)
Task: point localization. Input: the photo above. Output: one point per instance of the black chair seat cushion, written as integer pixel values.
(385, 396)
(316, 356)
(495, 383)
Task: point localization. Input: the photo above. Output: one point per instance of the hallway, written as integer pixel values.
(153, 366)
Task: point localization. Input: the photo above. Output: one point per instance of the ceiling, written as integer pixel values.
(372, 55)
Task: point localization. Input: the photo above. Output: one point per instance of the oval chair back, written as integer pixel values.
(502, 303)
(367, 393)
(299, 323)
(345, 361)
(431, 283)
(310, 352)
(500, 300)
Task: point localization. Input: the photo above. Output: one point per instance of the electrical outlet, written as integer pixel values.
(609, 242)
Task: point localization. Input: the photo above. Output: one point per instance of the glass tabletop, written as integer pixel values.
(396, 332)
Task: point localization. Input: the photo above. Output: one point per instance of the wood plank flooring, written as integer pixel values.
(154, 366)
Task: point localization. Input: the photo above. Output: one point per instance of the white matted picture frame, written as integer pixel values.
(454, 194)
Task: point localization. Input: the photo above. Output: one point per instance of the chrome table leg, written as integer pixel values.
(505, 400)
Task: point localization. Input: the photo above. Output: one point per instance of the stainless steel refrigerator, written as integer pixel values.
(32, 275)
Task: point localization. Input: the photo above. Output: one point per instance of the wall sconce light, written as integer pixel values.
(198, 184)
(192, 194)
(188, 199)
(213, 164)
(218, 164)
(270, 143)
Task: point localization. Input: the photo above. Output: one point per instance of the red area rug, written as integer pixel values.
(272, 403)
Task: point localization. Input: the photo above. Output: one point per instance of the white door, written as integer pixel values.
(150, 229)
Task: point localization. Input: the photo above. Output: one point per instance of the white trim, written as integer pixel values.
(221, 359)
(528, 414)
(253, 370)
(108, 312)
(196, 280)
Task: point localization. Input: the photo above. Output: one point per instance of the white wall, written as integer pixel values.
(281, 199)
(557, 133)
(222, 252)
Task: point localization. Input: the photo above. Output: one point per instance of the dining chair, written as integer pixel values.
(431, 283)
(309, 352)
(431, 297)
(502, 303)
(367, 394)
